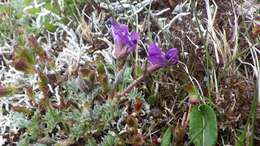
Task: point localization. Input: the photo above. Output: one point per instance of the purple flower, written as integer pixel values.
(125, 43)
(158, 59)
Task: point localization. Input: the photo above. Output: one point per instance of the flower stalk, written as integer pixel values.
(157, 59)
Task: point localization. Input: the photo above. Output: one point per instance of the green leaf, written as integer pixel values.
(91, 142)
(101, 68)
(203, 126)
(27, 54)
(52, 118)
(138, 71)
(193, 91)
(20, 120)
(49, 26)
(152, 100)
(34, 11)
(127, 76)
(247, 136)
(27, 2)
(167, 138)
(35, 127)
(109, 140)
(150, 36)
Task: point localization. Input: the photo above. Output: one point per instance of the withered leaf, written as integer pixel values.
(21, 64)
(7, 91)
(22, 109)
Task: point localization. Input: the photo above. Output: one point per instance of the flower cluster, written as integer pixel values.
(158, 59)
(126, 42)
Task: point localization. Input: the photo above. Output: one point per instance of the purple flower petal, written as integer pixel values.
(120, 33)
(124, 43)
(154, 49)
(155, 56)
(159, 58)
(134, 38)
(172, 55)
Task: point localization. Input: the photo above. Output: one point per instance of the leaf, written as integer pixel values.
(24, 60)
(128, 76)
(27, 54)
(138, 71)
(104, 82)
(256, 31)
(248, 134)
(34, 128)
(173, 3)
(109, 140)
(20, 120)
(131, 121)
(138, 105)
(102, 77)
(191, 89)
(52, 117)
(66, 142)
(101, 68)
(23, 65)
(203, 126)
(34, 11)
(167, 138)
(91, 142)
(22, 109)
(27, 2)
(49, 26)
(43, 83)
(119, 77)
(86, 30)
(152, 100)
(7, 91)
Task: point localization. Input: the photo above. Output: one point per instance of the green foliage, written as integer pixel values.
(21, 120)
(109, 140)
(35, 128)
(52, 118)
(33, 18)
(83, 123)
(72, 5)
(133, 95)
(49, 26)
(203, 126)
(167, 138)
(127, 77)
(123, 77)
(107, 112)
(78, 130)
(152, 100)
(247, 135)
(96, 120)
(91, 142)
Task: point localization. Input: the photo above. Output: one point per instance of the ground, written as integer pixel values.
(62, 84)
